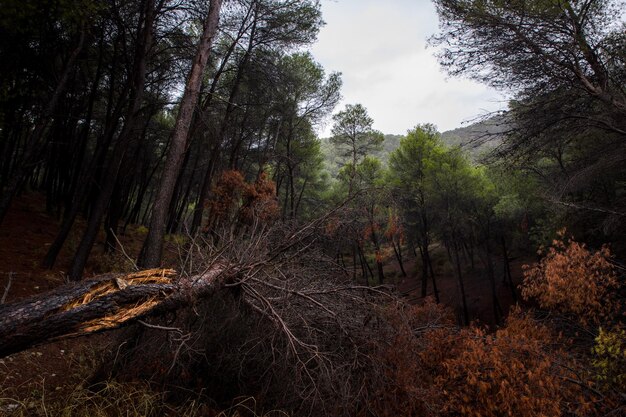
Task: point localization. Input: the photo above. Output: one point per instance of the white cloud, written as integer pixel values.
(380, 47)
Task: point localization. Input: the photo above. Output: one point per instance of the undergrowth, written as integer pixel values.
(131, 399)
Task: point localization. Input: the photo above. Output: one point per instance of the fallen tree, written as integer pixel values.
(110, 301)
(260, 310)
(102, 303)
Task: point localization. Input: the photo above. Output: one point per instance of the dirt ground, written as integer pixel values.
(56, 368)
(476, 282)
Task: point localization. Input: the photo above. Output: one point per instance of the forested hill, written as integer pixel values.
(478, 138)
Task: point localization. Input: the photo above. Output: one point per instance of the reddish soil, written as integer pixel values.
(25, 235)
(476, 282)
(55, 368)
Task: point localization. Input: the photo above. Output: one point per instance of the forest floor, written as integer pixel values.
(476, 283)
(51, 369)
(54, 370)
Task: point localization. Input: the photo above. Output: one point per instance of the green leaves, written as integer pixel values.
(353, 135)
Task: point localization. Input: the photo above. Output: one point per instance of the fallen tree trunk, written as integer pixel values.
(102, 303)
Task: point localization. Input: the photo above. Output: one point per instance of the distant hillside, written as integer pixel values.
(478, 138)
(333, 162)
(390, 144)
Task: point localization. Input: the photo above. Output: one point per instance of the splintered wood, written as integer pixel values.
(117, 283)
(120, 283)
(103, 303)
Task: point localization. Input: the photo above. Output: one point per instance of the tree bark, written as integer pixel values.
(507, 269)
(103, 303)
(457, 262)
(153, 246)
(432, 276)
(397, 250)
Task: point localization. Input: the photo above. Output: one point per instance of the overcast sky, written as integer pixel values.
(380, 49)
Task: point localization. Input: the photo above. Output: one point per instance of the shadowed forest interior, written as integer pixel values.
(178, 238)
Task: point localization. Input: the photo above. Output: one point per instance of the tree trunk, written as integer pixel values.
(379, 263)
(153, 246)
(507, 269)
(398, 252)
(205, 188)
(432, 276)
(354, 263)
(100, 304)
(497, 309)
(457, 262)
(33, 144)
(367, 269)
(104, 197)
(230, 105)
(424, 271)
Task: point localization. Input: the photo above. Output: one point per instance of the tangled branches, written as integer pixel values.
(288, 329)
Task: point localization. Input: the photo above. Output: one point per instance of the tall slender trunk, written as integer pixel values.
(507, 268)
(219, 139)
(34, 142)
(77, 194)
(136, 97)
(432, 276)
(178, 192)
(374, 236)
(497, 309)
(354, 262)
(295, 213)
(457, 262)
(469, 250)
(205, 188)
(367, 270)
(182, 207)
(398, 252)
(425, 242)
(424, 270)
(153, 245)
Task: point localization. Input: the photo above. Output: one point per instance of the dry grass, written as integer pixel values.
(107, 399)
(112, 398)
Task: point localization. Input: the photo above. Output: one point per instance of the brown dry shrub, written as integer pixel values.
(409, 387)
(260, 201)
(574, 280)
(437, 369)
(513, 372)
(227, 194)
(235, 200)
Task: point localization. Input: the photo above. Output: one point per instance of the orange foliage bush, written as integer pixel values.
(574, 280)
(394, 231)
(436, 369)
(509, 373)
(409, 389)
(260, 200)
(226, 193)
(234, 199)
(370, 229)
